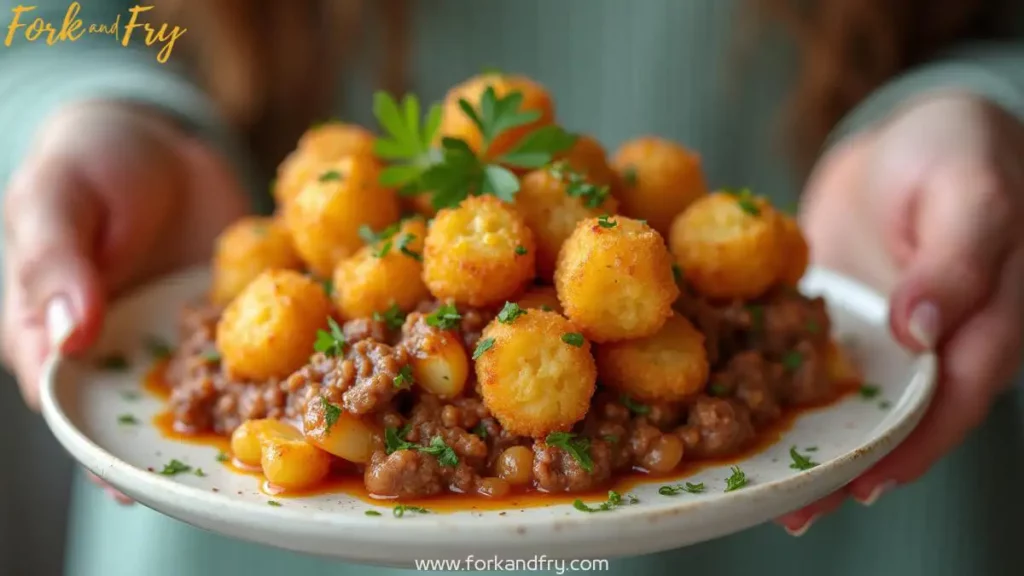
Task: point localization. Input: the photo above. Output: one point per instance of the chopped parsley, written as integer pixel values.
(792, 361)
(577, 186)
(756, 312)
(746, 202)
(482, 346)
(546, 308)
(401, 509)
(578, 448)
(407, 142)
(614, 501)
(521, 250)
(869, 391)
(158, 348)
(610, 438)
(394, 439)
(127, 419)
(273, 503)
(115, 362)
(672, 490)
(331, 343)
(331, 413)
(811, 449)
(445, 317)
(328, 286)
(393, 317)
(510, 312)
(199, 472)
(604, 221)
(635, 407)
(372, 513)
(223, 457)
(330, 176)
(885, 404)
(444, 453)
(211, 356)
(800, 462)
(129, 395)
(629, 175)
(677, 273)
(404, 378)
(737, 480)
(573, 339)
(403, 246)
(175, 467)
(718, 390)
(480, 430)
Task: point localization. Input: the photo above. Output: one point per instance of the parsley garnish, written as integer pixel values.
(800, 462)
(175, 467)
(756, 313)
(635, 407)
(446, 456)
(393, 317)
(445, 317)
(480, 430)
(573, 339)
(384, 238)
(677, 273)
(811, 449)
(199, 472)
(405, 140)
(158, 348)
(330, 343)
(629, 175)
(737, 480)
(403, 247)
(604, 222)
(745, 199)
(578, 448)
(577, 185)
(521, 250)
(328, 286)
(672, 490)
(718, 390)
(223, 457)
(394, 439)
(546, 308)
(792, 361)
(610, 438)
(211, 356)
(869, 391)
(330, 176)
(401, 509)
(885, 404)
(273, 503)
(127, 419)
(372, 513)
(331, 413)
(614, 500)
(482, 346)
(115, 362)
(510, 312)
(404, 378)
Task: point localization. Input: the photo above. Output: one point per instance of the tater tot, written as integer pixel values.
(536, 373)
(455, 123)
(338, 432)
(668, 366)
(245, 249)
(289, 462)
(796, 253)
(729, 245)
(325, 217)
(386, 273)
(552, 201)
(540, 297)
(269, 329)
(246, 440)
(318, 148)
(660, 179)
(614, 279)
(438, 359)
(479, 253)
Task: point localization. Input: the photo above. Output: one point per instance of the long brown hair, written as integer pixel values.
(264, 61)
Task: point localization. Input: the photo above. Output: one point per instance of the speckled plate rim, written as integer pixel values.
(574, 534)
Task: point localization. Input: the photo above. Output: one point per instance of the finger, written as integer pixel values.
(977, 360)
(119, 497)
(799, 522)
(962, 228)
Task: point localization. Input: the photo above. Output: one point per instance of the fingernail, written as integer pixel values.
(59, 321)
(798, 532)
(924, 325)
(876, 493)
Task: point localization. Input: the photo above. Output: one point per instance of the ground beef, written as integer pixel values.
(555, 470)
(716, 427)
(361, 381)
(790, 318)
(472, 326)
(427, 421)
(807, 382)
(724, 326)
(754, 381)
(405, 473)
(366, 329)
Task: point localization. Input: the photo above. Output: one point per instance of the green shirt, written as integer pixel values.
(617, 69)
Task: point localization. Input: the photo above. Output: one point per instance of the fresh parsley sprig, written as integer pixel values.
(737, 480)
(331, 343)
(578, 448)
(445, 317)
(394, 440)
(407, 141)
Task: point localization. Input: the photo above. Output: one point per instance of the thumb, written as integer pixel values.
(962, 229)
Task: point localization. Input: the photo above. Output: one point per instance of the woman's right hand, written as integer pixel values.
(109, 195)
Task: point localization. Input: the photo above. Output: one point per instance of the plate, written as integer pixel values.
(83, 404)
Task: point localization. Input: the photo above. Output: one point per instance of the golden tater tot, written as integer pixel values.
(479, 253)
(246, 440)
(385, 274)
(552, 201)
(269, 329)
(540, 297)
(289, 462)
(319, 147)
(614, 279)
(796, 252)
(729, 245)
(325, 217)
(535, 373)
(660, 179)
(244, 250)
(455, 123)
(338, 432)
(668, 366)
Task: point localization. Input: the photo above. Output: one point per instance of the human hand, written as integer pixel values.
(108, 195)
(927, 209)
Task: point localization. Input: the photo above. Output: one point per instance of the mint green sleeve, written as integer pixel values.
(36, 79)
(994, 71)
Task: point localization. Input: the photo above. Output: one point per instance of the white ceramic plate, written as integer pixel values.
(82, 406)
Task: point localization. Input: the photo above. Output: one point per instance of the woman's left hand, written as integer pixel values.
(928, 209)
